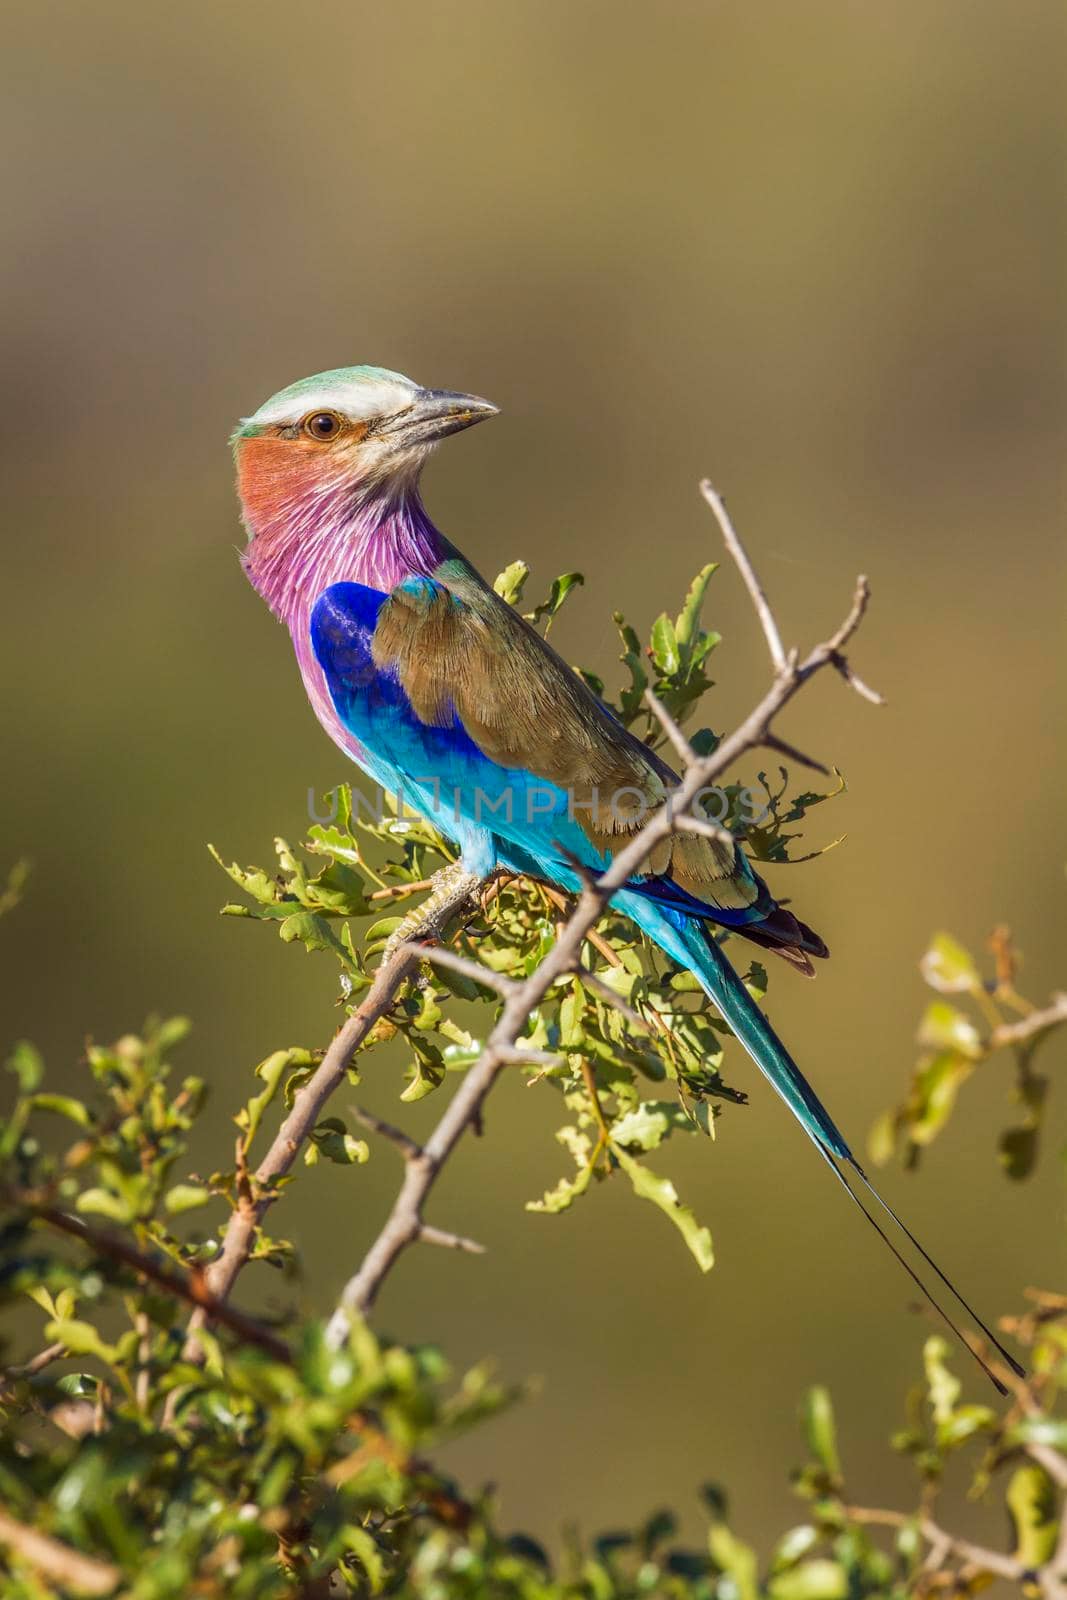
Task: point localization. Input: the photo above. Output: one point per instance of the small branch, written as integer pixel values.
(58, 1563)
(310, 1099)
(37, 1363)
(590, 980)
(1022, 1032)
(401, 891)
(682, 748)
(744, 566)
(450, 1241)
(687, 823)
(396, 1136)
(519, 1056)
(475, 970)
(190, 1286)
(992, 1561)
(791, 753)
(839, 663)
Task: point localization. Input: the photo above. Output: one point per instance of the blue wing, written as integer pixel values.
(495, 813)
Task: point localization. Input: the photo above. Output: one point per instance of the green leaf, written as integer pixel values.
(40, 1296)
(510, 583)
(662, 1193)
(882, 1139)
(566, 1192)
(80, 1338)
(256, 883)
(665, 646)
(1031, 1499)
(736, 1559)
(171, 1032)
(102, 1203)
(25, 1062)
(327, 839)
(943, 1027)
(1050, 1431)
(949, 968)
(63, 1105)
(272, 1070)
(792, 1546)
(362, 1546)
(11, 893)
(185, 1197)
(332, 1138)
(937, 1084)
(427, 1076)
(1018, 1151)
(817, 1419)
(313, 932)
(571, 1015)
(942, 1385)
(963, 1424)
(643, 1128)
(687, 624)
(561, 588)
(819, 1579)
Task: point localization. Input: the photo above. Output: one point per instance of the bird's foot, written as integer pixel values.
(451, 888)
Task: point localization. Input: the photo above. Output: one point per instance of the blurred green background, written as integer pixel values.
(816, 251)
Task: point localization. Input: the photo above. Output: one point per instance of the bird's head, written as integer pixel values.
(359, 428)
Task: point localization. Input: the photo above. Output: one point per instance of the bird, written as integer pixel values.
(440, 691)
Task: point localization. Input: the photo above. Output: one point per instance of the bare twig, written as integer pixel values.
(791, 753)
(682, 748)
(404, 1224)
(973, 1555)
(747, 571)
(191, 1286)
(400, 891)
(590, 980)
(450, 1241)
(37, 1363)
(687, 823)
(309, 1101)
(56, 1562)
(404, 1143)
(1027, 1029)
(477, 971)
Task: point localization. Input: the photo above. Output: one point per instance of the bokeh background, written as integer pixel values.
(814, 250)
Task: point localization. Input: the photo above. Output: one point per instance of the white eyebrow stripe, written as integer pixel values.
(359, 400)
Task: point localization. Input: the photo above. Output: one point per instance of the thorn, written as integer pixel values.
(475, 970)
(450, 1241)
(408, 1147)
(771, 741)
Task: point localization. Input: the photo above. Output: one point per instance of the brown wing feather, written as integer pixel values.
(460, 646)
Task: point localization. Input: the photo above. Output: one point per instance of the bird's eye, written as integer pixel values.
(322, 425)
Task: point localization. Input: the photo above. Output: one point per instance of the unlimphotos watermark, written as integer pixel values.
(530, 802)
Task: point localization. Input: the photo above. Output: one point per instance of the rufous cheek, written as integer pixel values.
(271, 471)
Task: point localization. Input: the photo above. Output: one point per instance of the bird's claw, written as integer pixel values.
(450, 886)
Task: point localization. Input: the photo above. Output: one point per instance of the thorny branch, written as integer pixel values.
(190, 1286)
(261, 1188)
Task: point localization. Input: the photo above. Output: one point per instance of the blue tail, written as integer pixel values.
(688, 943)
(692, 945)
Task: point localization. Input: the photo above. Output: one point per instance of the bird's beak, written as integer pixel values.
(433, 415)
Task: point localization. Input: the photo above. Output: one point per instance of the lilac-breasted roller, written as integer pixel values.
(440, 691)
